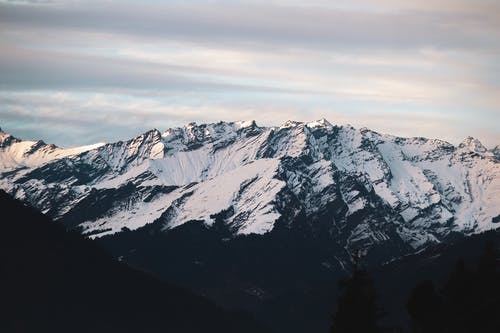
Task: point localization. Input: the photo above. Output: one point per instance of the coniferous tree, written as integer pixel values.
(470, 300)
(473, 297)
(486, 283)
(357, 309)
(488, 266)
(425, 308)
(458, 280)
(458, 294)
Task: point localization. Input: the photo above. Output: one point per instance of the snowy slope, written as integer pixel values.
(19, 154)
(368, 187)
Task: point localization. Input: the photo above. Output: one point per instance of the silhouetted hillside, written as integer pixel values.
(54, 281)
(436, 264)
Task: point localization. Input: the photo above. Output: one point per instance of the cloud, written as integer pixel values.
(70, 119)
(29, 69)
(249, 25)
(76, 72)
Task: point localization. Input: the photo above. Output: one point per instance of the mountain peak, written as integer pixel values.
(291, 123)
(152, 135)
(153, 132)
(6, 139)
(245, 123)
(472, 144)
(320, 123)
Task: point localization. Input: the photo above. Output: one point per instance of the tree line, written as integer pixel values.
(469, 301)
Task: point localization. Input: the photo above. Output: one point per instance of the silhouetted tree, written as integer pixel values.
(458, 294)
(425, 308)
(470, 300)
(488, 266)
(486, 291)
(457, 281)
(357, 309)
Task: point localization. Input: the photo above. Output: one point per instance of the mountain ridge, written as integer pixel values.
(425, 188)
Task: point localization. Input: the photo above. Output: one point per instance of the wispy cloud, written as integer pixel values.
(251, 25)
(408, 67)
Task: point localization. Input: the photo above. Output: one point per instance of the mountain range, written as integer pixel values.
(376, 188)
(255, 217)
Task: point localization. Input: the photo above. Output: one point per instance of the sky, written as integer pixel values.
(80, 72)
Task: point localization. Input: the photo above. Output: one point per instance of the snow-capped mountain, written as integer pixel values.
(368, 187)
(15, 153)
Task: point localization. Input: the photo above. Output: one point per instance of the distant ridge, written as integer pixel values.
(412, 191)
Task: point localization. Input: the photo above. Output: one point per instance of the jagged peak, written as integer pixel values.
(232, 125)
(440, 142)
(246, 123)
(6, 139)
(291, 123)
(240, 124)
(154, 134)
(193, 135)
(472, 144)
(320, 123)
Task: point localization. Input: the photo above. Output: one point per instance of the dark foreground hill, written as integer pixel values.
(441, 265)
(288, 277)
(55, 281)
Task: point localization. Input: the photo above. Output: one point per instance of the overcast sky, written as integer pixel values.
(78, 72)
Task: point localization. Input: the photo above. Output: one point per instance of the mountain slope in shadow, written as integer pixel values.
(56, 281)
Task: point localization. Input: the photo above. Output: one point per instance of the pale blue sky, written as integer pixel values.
(77, 72)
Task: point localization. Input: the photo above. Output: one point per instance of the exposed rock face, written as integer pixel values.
(363, 187)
